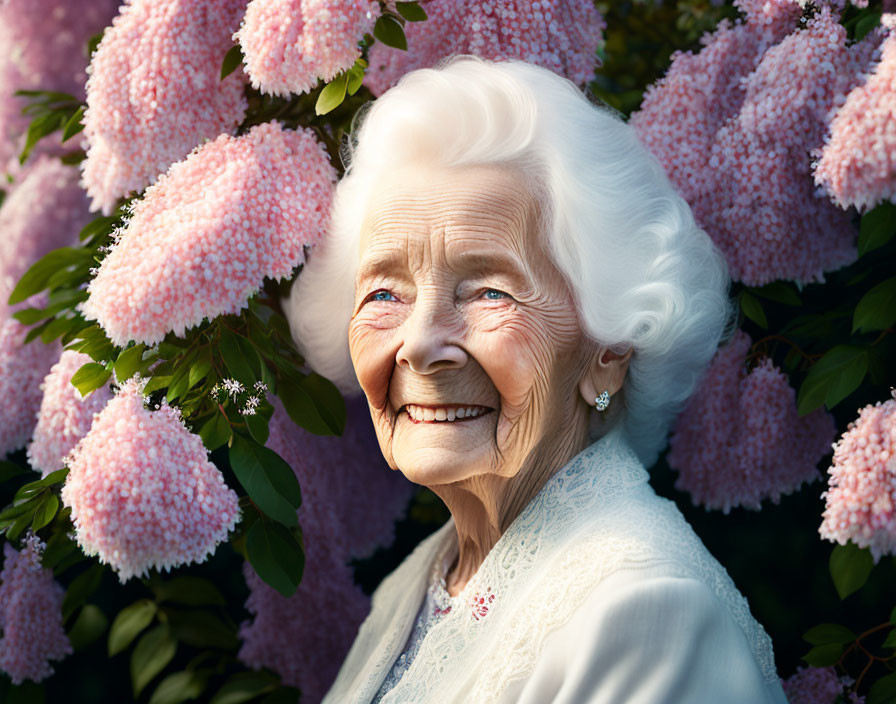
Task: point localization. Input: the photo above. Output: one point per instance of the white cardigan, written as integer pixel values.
(598, 593)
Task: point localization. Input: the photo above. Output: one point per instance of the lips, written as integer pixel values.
(444, 413)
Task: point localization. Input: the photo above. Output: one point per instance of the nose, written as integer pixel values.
(430, 339)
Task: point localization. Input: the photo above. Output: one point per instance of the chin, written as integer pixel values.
(430, 466)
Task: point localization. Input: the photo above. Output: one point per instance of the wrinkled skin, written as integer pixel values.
(458, 304)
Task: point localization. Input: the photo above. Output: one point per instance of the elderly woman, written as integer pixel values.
(526, 303)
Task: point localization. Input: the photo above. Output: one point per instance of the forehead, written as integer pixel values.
(460, 206)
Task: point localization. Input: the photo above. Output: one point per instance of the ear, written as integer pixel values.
(605, 372)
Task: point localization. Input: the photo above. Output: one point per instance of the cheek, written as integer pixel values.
(373, 356)
(526, 351)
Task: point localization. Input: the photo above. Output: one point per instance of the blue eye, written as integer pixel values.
(497, 297)
(382, 295)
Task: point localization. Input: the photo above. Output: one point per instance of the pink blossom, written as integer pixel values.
(815, 685)
(858, 162)
(206, 234)
(734, 127)
(338, 521)
(22, 368)
(154, 92)
(64, 417)
(289, 44)
(560, 36)
(860, 502)
(30, 614)
(43, 46)
(740, 439)
(44, 210)
(142, 491)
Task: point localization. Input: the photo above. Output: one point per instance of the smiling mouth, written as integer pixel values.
(444, 414)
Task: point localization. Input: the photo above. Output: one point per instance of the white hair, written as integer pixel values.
(643, 273)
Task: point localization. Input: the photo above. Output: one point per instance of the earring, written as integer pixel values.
(602, 401)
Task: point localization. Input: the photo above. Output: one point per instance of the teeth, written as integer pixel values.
(444, 413)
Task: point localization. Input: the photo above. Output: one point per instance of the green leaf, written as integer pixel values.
(355, 79)
(128, 624)
(81, 587)
(8, 470)
(90, 625)
(877, 227)
(332, 95)
(833, 377)
(216, 431)
(179, 687)
(235, 360)
(200, 368)
(58, 546)
(829, 633)
(267, 479)
(94, 42)
(824, 655)
(275, 555)
(57, 328)
(314, 403)
(258, 427)
(890, 641)
(849, 566)
(90, 377)
(877, 309)
(128, 362)
(39, 128)
(411, 11)
(45, 512)
(201, 629)
(100, 225)
(194, 591)
(753, 309)
(18, 527)
(35, 279)
(74, 125)
(883, 691)
(153, 652)
(232, 59)
(390, 32)
(866, 23)
(244, 687)
(30, 316)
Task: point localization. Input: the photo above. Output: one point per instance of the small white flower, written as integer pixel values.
(233, 387)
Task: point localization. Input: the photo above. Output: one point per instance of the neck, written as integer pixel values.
(484, 506)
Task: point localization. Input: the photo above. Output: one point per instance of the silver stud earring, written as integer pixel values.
(602, 401)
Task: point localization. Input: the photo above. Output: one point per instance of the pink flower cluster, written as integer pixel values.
(349, 507)
(45, 209)
(154, 92)
(857, 165)
(205, 235)
(22, 368)
(64, 417)
(30, 614)
(43, 46)
(734, 127)
(816, 685)
(142, 491)
(740, 440)
(289, 44)
(860, 502)
(560, 36)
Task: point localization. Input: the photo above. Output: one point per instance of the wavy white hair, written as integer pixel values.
(643, 273)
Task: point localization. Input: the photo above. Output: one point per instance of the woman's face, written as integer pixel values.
(464, 336)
